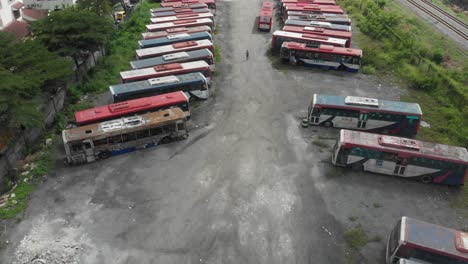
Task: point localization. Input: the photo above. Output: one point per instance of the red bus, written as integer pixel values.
(174, 31)
(181, 12)
(165, 70)
(321, 31)
(265, 19)
(312, 9)
(280, 36)
(314, 17)
(181, 8)
(316, 2)
(183, 23)
(176, 47)
(181, 17)
(133, 107)
(177, 3)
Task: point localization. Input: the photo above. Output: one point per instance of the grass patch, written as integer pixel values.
(276, 61)
(320, 143)
(352, 218)
(217, 53)
(334, 172)
(356, 237)
(376, 205)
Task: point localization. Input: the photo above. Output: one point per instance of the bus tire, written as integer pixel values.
(357, 166)
(104, 154)
(328, 124)
(165, 140)
(426, 179)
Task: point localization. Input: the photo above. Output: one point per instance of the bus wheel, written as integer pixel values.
(104, 155)
(426, 179)
(357, 166)
(165, 140)
(328, 124)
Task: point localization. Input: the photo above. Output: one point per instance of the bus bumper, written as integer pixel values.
(305, 123)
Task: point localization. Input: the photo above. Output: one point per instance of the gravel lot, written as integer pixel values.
(248, 186)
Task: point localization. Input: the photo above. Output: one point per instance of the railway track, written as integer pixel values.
(447, 19)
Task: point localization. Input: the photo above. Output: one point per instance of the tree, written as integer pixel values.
(99, 7)
(73, 32)
(25, 68)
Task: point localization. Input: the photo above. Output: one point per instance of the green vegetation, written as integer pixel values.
(434, 68)
(352, 218)
(217, 53)
(320, 143)
(41, 163)
(334, 171)
(356, 237)
(276, 61)
(376, 205)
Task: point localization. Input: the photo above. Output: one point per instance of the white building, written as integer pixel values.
(48, 4)
(11, 18)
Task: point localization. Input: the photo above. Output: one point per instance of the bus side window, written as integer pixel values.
(115, 139)
(128, 137)
(87, 145)
(155, 131)
(142, 134)
(99, 142)
(76, 146)
(389, 156)
(180, 126)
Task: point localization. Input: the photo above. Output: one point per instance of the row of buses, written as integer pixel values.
(316, 34)
(174, 63)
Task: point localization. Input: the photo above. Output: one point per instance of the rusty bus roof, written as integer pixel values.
(123, 125)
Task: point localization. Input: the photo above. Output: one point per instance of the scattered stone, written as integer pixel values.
(25, 179)
(48, 142)
(425, 124)
(13, 195)
(14, 201)
(39, 261)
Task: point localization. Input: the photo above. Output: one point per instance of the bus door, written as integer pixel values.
(315, 115)
(363, 117)
(400, 166)
(412, 125)
(89, 150)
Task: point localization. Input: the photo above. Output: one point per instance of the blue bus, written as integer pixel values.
(171, 39)
(193, 55)
(195, 84)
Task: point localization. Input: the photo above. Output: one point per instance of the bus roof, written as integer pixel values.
(312, 17)
(172, 31)
(311, 37)
(313, 23)
(319, 31)
(177, 47)
(174, 38)
(157, 83)
(110, 111)
(402, 146)
(171, 58)
(267, 9)
(303, 13)
(433, 237)
(181, 23)
(181, 7)
(181, 11)
(318, 2)
(314, 8)
(128, 124)
(162, 70)
(355, 102)
(181, 17)
(323, 49)
(186, 2)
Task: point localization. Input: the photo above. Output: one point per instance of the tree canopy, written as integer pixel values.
(25, 67)
(98, 7)
(72, 31)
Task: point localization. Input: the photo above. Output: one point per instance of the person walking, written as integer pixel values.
(247, 54)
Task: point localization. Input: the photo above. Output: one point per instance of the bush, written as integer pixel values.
(368, 69)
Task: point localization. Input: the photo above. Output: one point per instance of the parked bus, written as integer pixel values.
(421, 242)
(183, 23)
(322, 32)
(374, 115)
(165, 70)
(328, 19)
(265, 19)
(173, 31)
(172, 39)
(180, 9)
(280, 36)
(425, 161)
(179, 57)
(102, 140)
(313, 2)
(311, 9)
(194, 84)
(305, 13)
(210, 3)
(177, 47)
(320, 24)
(323, 56)
(133, 107)
(181, 17)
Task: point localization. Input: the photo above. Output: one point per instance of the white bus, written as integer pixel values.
(102, 140)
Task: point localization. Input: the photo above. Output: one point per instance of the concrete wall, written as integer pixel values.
(48, 4)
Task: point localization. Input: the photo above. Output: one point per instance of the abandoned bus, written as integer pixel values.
(265, 19)
(180, 9)
(181, 17)
(171, 39)
(177, 3)
(322, 32)
(319, 24)
(328, 19)
(102, 140)
(179, 57)
(173, 31)
(133, 107)
(328, 15)
(402, 157)
(165, 70)
(312, 9)
(322, 56)
(380, 116)
(280, 36)
(177, 47)
(422, 242)
(182, 23)
(283, 3)
(194, 84)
